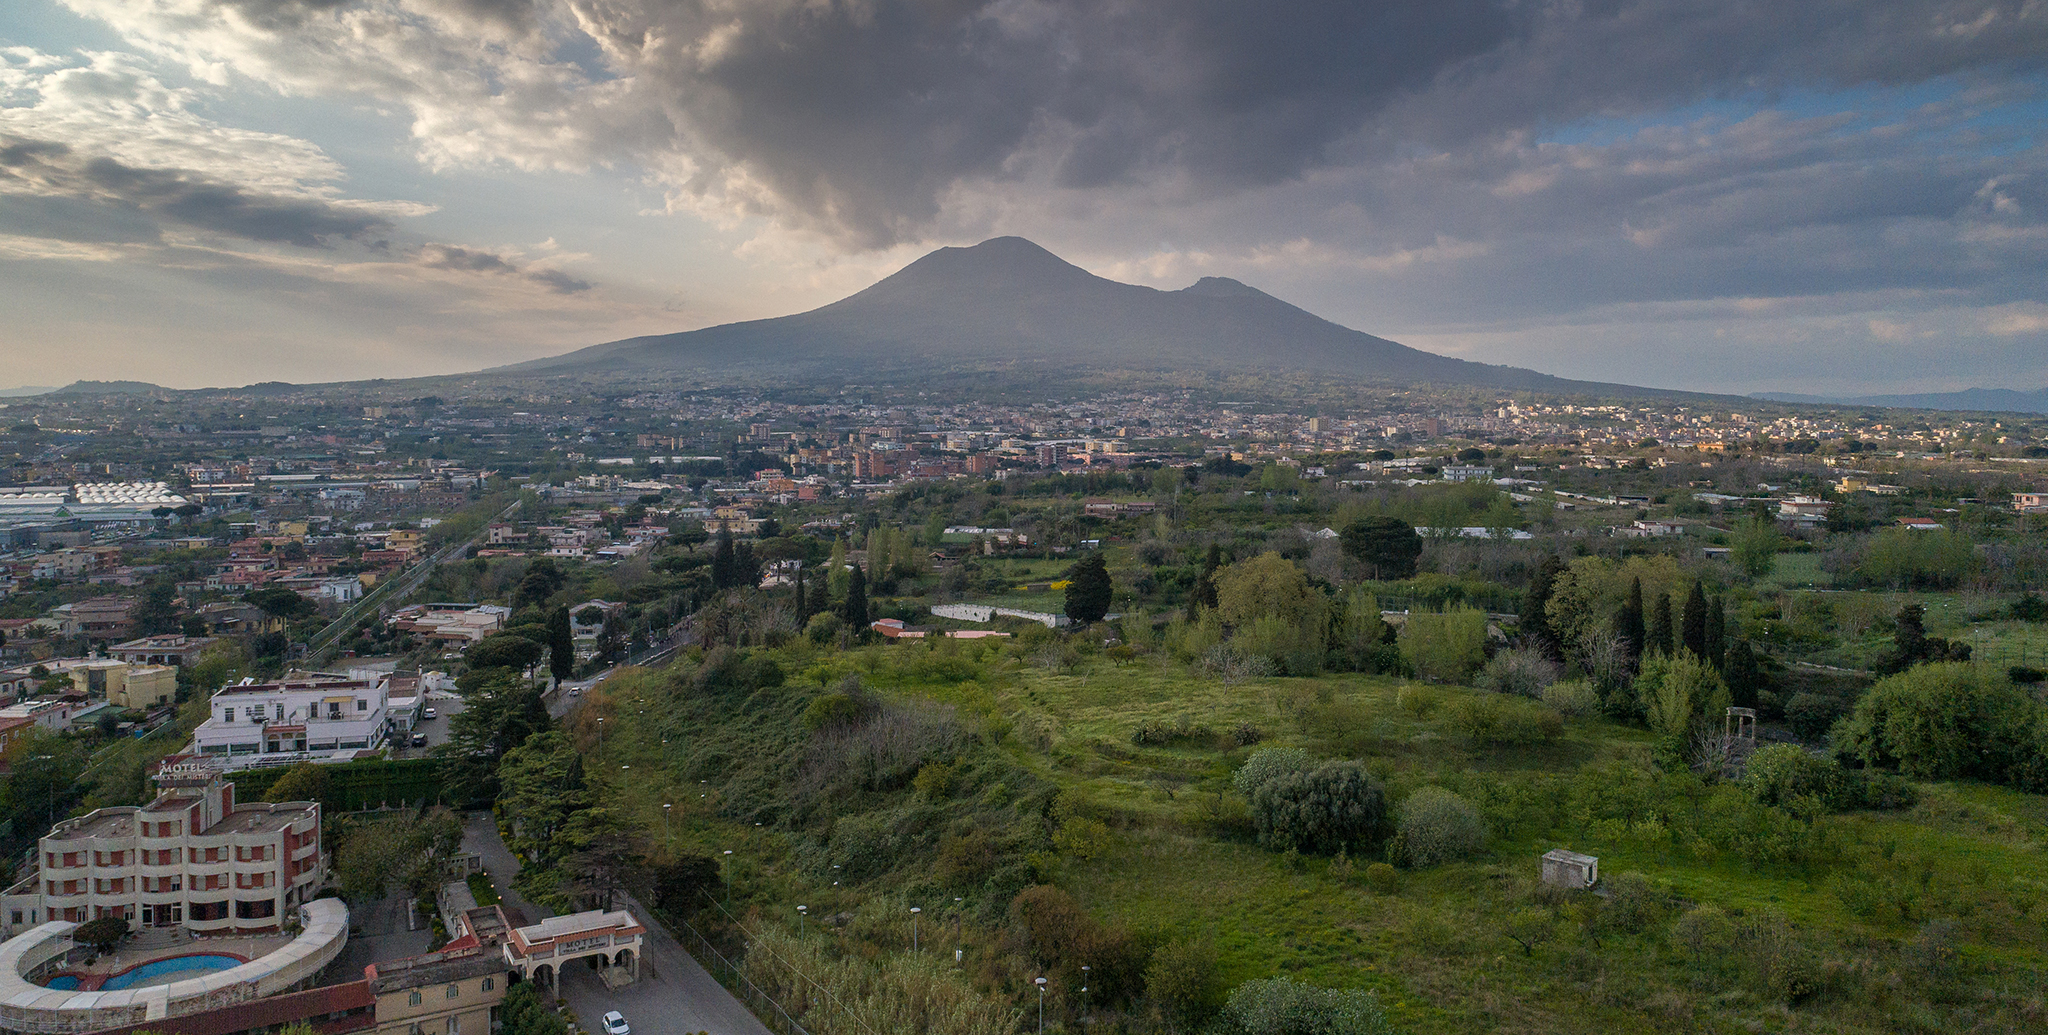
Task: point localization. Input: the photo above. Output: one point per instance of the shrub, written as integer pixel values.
(1438, 827)
(1632, 904)
(1942, 721)
(1267, 763)
(1382, 878)
(1245, 734)
(1677, 689)
(1281, 1006)
(1522, 672)
(1319, 810)
(1777, 774)
(1182, 983)
(1177, 730)
(1572, 698)
(1419, 701)
(1446, 647)
(1496, 720)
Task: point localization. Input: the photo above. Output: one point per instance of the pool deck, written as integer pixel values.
(132, 955)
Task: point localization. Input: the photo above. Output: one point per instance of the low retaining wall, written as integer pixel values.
(33, 1009)
(986, 613)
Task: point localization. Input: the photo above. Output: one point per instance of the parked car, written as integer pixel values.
(428, 714)
(419, 740)
(615, 1024)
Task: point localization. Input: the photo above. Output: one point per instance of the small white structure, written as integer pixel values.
(1568, 869)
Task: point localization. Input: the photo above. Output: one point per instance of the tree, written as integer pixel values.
(303, 782)
(103, 933)
(541, 581)
(1336, 805)
(724, 561)
(1182, 983)
(1912, 646)
(1757, 543)
(158, 611)
(1693, 624)
(1717, 633)
(1658, 636)
(1628, 622)
(500, 711)
(1268, 585)
(1535, 627)
(280, 602)
(1387, 545)
(1942, 721)
(542, 788)
(1447, 647)
(561, 644)
(1203, 593)
(1437, 826)
(854, 609)
(1089, 589)
(505, 650)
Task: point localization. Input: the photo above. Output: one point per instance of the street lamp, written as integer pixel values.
(914, 910)
(800, 912)
(600, 733)
(1084, 991)
(1041, 1004)
(665, 835)
(728, 878)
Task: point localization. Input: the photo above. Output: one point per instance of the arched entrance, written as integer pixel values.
(544, 976)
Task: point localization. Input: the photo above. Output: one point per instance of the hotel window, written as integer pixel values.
(362, 705)
(489, 984)
(454, 990)
(280, 710)
(414, 1000)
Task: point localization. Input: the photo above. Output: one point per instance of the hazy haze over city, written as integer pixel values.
(1828, 197)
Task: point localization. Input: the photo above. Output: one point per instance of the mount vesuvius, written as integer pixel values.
(1008, 301)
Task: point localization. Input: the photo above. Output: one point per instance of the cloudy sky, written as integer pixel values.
(1832, 196)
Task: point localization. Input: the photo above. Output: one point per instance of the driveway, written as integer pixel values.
(674, 993)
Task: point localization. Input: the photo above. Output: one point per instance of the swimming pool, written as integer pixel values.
(63, 983)
(165, 971)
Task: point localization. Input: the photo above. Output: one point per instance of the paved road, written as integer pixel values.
(674, 994)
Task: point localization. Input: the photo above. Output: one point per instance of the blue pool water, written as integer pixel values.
(150, 973)
(62, 982)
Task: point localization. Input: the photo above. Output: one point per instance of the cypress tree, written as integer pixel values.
(1717, 633)
(723, 561)
(1693, 622)
(1203, 593)
(1535, 614)
(1628, 622)
(854, 609)
(821, 586)
(1659, 636)
(561, 644)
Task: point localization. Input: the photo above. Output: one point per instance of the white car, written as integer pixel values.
(615, 1024)
(428, 714)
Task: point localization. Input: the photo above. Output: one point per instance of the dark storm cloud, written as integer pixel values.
(864, 115)
(47, 169)
(470, 260)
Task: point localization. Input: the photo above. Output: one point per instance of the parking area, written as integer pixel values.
(446, 705)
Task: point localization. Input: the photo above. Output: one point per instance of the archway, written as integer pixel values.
(625, 961)
(544, 976)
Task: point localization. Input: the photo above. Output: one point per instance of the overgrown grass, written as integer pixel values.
(1887, 921)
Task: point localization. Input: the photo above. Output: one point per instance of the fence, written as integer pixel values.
(734, 978)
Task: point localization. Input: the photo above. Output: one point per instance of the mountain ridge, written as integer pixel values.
(1987, 400)
(1008, 300)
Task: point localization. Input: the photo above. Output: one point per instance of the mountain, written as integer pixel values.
(1008, 300)
(110, 388)
(25, 391)
(1996, 400)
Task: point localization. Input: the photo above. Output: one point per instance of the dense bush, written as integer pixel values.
(1572, 698)
(1178, 730)
(1492, 719)
(1281, 1006)
(1437, 826)
(1447, 647)
(1944, 721)
(1330, 807)
(1523, 672)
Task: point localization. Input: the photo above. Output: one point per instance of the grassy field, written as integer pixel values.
(1743, 918)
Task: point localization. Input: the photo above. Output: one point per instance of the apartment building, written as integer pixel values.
(294, 720)
(192, 858)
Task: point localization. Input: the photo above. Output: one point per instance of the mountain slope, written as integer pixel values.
(1995, 400)
(1007, 300)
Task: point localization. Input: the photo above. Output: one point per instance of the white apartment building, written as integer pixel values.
(294, 721)
(192, 858)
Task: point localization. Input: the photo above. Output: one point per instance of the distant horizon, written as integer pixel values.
(1841, 200)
